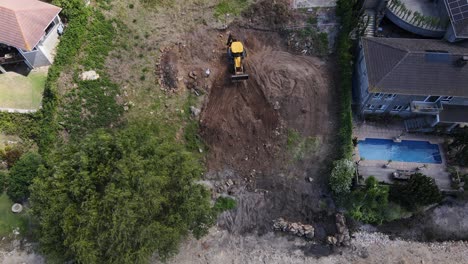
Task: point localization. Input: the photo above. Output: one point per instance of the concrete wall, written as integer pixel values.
(36, 58)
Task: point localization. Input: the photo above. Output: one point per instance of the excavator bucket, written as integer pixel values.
(239, 77)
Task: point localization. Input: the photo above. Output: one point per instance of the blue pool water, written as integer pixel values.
(409, 151)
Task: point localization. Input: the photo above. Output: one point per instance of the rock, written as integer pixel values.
(331, 240)
(276, 106)
(89, 76)
(229, 183)
(193, 75)
(195, 111)
(280, 224)
(308, 231)
(293, 228)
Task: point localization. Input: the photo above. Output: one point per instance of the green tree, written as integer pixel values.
(119, 198)
(369, 204)
(341, 177)
(420, 190)
(21, 176)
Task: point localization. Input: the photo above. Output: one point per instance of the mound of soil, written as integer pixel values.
(246, 125)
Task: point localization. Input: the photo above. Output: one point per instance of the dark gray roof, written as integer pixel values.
(458, 13)
(454, 114)
(416, 66)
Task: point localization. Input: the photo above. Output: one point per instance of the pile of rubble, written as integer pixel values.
(341, 238)
(297, 229)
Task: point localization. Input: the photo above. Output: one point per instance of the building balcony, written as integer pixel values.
(422, 17)
(431, 108)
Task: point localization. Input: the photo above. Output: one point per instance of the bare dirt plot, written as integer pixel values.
(246, 126)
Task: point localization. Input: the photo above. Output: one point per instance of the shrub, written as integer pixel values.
(21, 176)
(223, 204)
(3, 179)
(120, 197)
(347, 11)
(369, 204)
(342, 177)
(458, 149)
(11, 154)
(420, 190)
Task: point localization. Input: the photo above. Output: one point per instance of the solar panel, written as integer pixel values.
(458, 9)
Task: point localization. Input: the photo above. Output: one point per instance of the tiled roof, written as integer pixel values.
(23, 22)
(416, 66)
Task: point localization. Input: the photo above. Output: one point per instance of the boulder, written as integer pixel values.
(332, 240)
(89, 76)
(195, 111)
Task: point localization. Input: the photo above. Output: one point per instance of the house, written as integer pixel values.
(424, 81)
(29, 32)
(429, 18)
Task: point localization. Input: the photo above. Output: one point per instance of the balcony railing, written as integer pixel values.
(426, 107)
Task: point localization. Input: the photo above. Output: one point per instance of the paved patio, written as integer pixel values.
(375, 168)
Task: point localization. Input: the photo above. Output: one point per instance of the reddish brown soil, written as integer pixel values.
(245, 123)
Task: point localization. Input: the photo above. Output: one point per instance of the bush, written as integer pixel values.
(347, 11)
(420, 190)
(458, 149)
(342, 177)
(11, 154)
(21, 176)
(120, 197)
(369, 204)
(224, 204)
(3, 179)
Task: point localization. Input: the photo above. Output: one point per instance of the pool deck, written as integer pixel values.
(375, 168)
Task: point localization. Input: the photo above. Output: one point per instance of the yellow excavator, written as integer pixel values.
(236, 55)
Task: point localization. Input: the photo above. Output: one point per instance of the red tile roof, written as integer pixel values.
(23, 22)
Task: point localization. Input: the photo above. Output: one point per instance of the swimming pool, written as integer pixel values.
(407, 150)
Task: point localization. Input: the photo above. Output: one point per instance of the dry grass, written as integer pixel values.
(143, 32)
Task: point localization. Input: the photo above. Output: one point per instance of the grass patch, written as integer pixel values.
(8, 220)
(300, 146)
(20, 92)
(233, 7)
(224, 204)
(318, 41)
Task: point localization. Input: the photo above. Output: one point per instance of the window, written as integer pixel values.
(446, 98)
(370, 107)
(432, 99)
(381, 107)
(408, 108)
(397, 108)
(378, 95)
(390, 96)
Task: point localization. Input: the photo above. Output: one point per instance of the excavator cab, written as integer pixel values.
(237, 53)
